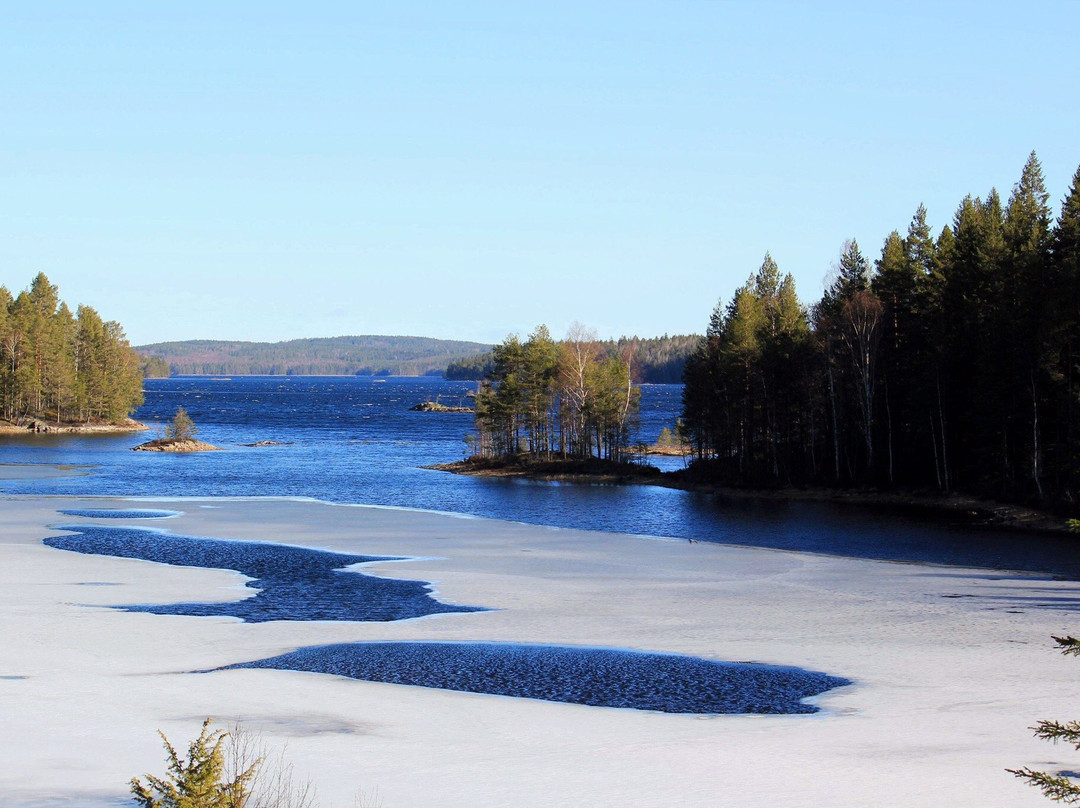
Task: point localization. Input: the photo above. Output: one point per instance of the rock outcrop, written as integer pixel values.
(184, 446)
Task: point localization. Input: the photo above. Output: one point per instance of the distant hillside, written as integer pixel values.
(329, 356)
(657, 360)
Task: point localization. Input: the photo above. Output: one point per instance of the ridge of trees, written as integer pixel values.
(367, 355)
(953, 362)
(62, 366)
(545, 399)
(658, 360)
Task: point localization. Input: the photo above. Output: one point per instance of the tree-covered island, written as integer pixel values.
(558, 407)
(63, 370)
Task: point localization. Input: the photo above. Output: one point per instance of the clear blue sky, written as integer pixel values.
(267, 171)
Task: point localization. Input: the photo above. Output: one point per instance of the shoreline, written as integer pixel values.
(971, 510)
(37, 426)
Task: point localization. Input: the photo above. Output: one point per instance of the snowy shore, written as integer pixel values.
(950, 667)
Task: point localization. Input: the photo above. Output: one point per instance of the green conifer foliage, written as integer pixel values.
(545, 398)
(181, 427)
(63, 367)
(747, 382)
(1058, 787)
(959, 367)
(200, 781)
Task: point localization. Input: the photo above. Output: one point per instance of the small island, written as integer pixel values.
(175, 446)
(436, 406)
(179, 438)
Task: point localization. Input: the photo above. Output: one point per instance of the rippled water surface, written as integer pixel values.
(601, 677)
(355, 440)
(288, 583)
(119, 513)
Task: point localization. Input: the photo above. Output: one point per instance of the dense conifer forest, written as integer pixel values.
(63, 367)
(952, 362)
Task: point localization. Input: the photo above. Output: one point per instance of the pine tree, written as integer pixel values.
(539, 370)
(181, 427)
(8, 350)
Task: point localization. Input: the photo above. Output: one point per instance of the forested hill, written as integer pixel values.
(656, 360)
(328, 356)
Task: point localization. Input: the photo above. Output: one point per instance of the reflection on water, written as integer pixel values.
(354, 440)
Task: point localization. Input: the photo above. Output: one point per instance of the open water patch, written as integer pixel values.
(600, 677)
(119, 513)
(291, 583)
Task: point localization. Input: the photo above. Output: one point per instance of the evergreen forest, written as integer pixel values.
(60, 366)
(549, 400)
(950, 363)
(320, 356)
(658, 360)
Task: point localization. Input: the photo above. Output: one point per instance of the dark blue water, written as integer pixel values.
(355, 440)
(119, 513)
(602, 677)
(293, 583)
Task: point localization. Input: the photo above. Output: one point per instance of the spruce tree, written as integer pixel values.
(1028, 331)
(1063, 312)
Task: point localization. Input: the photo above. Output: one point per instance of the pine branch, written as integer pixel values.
(1056, 731)
(1059, 789)
(1069, 646)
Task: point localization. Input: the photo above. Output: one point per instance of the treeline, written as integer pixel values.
(547, 399)
(329, 356)
(471, 368)
(60, 366)
(953, 362)
(154, 367)
(658, 360)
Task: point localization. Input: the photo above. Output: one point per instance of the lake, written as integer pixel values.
(355, 440)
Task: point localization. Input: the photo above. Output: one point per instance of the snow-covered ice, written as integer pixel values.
(950, 668)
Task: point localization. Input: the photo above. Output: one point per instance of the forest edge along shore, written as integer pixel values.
(969, 510)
